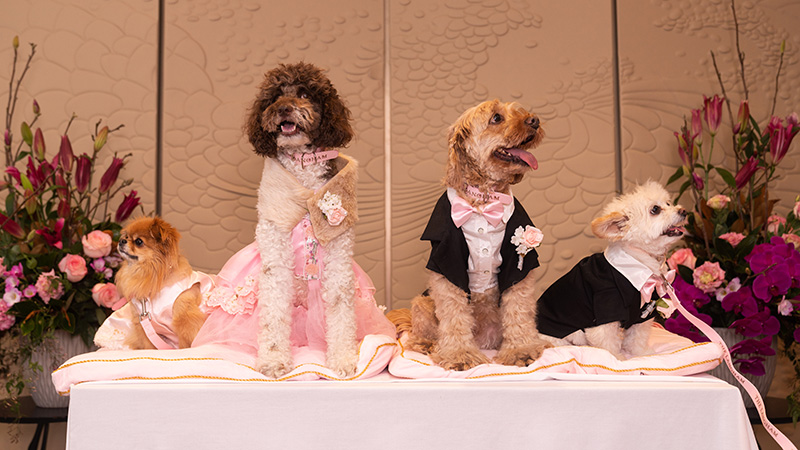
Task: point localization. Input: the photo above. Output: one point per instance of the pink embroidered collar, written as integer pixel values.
(316, 157)
(487, 197)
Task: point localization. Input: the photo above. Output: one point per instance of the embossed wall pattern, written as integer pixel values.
(99, 59)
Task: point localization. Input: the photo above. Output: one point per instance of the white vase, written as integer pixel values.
(50, 356)
(761, 383)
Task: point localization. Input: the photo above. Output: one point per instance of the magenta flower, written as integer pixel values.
(129, 203)
(111, 175)
(7, 138)
(14, 172)
(697, 181)
(708, 277)
(65, 155)
(743, 118)
(759, 324)
(11, 227)
(712, 112)
(796, 335)
(680, 325)
(746, 172)
(741, 302)
(53, 237)
(697, 123)
(753, 365)
(83, 171)
(774, 283)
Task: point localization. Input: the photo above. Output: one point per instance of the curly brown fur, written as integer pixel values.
(152, 260)
(489, 146)
(299, 93)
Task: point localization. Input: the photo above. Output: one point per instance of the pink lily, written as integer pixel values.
(83, 171)
(712, 112)
(743, 117)
(11, 227)
(746, 172)
(38, 144)
(111, 175)
(129, 202)
(65, 155)
(697, 124)
(53, 237)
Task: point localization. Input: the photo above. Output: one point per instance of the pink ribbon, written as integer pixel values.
(655, 283)
(776, 434)
(152, 335)
(461, 211)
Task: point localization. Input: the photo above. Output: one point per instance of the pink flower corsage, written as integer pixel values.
(331, 206)
(239, 300)
(525, 240)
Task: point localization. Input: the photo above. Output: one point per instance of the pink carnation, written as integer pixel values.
(684, 257)
(774, 222)
(733, 238)
(106, 295)
(74, 266)
(708, 277)
(6, 320)
(48, 288)
(792, 239)
(96, 244)
(718, 201)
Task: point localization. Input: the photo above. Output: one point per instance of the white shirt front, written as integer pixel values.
(636, 272)
(484, 241)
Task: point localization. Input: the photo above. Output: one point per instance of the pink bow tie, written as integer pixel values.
(657, 284)
(461, 211)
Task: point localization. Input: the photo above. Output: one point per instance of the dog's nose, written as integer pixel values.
(284, 110)
(683, 212)
(532, 122)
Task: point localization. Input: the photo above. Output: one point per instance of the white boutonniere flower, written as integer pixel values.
(331, 206)
(525, 239)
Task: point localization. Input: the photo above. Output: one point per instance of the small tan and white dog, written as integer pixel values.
(480, 289)
(606, 300)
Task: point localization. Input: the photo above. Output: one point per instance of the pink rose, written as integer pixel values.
(74, 266)
(774, 222)
(792, 239)
(106, 295)
(708, 277)
(336, 215)
(47, 288)
(532, 236)
(96, 244)
(682, 256)
(733, 238)
(718, 201)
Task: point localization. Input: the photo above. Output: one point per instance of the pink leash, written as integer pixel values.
(147, 324)
(776, 434)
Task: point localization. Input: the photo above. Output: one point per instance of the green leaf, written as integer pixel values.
(26, 183)
(683, 188)
(27, 136)
(101, 316)
(730, 180)
(675, 176)
(685, 273)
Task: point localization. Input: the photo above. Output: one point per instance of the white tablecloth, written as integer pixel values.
(567, 412)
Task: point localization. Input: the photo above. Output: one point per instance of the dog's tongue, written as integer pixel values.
(525, 156)
(288, 127)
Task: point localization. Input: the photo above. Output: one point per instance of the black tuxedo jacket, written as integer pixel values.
(592, 293)
(449, 251)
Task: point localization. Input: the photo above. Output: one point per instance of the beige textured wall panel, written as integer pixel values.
(216, 55)
(96, 59)
(553, 58)
(666, 47)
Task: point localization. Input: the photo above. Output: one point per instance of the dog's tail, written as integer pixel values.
(401, 318)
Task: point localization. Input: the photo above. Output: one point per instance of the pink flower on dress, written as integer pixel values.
(774, 222)
(336, 216)
(106, 295)
(682, 256)
(96, 244)
(49, 286)
(718, 201)
(733, 238)
(239, 300)
(74, 267)
(708, 277)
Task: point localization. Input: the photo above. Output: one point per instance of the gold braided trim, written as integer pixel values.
(210, 377)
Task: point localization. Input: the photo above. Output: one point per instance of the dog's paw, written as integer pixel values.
(521, 356)
(274, 364)
(424, 346)
(343, 363)
(462, 360)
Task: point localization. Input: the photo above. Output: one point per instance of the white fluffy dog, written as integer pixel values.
(604, 301)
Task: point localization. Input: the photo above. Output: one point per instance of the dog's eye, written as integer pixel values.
(139, 242)
(497, 118)
(655, 210)
(302, 94)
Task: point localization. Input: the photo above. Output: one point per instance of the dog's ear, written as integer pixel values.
(166, 237)
(611, 226)
(264, 143)
(334, 129)
(458, 160)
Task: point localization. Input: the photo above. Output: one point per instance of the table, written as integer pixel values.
(30, 413)
(564, 412)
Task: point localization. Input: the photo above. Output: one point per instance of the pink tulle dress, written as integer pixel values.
(233, 304)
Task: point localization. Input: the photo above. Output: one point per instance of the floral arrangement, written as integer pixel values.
(58, 240)
(526, 239)
(740, 268)
(331, 206)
